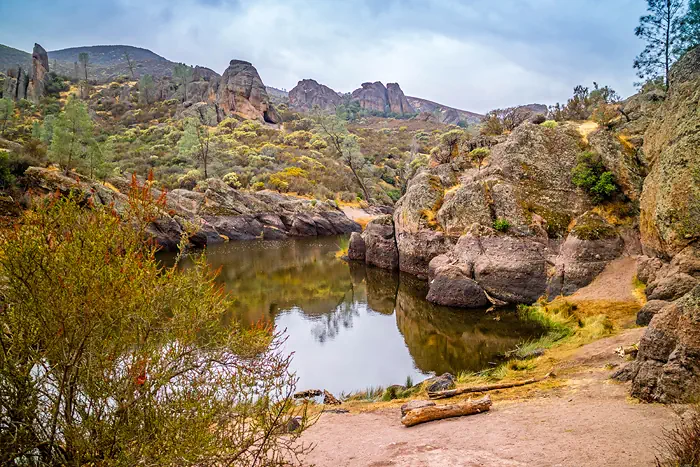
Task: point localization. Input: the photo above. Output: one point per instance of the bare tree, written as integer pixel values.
(84, 59)
(129, 63)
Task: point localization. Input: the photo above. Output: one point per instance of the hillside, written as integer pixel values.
(108, 62)
(10, 58)
(446, 114)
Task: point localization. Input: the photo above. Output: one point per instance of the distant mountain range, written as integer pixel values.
(108, 62)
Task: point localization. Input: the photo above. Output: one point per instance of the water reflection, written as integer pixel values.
(350, 326)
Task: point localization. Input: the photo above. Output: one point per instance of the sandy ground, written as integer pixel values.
(357, 214)
(587, 420)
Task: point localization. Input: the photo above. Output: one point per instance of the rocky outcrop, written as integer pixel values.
(670, 200)
(398, 103)
(667, 368)
(220, 212)
(16, 83)
(242, 92)
(36, 89)
(377, 245)
(375, 97)
(308, 94)
(432, 111)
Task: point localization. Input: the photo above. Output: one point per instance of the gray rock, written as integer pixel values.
(452, 286)
(668, 361)
(440, 383)
(671, 287)
(647, 268)
(356, 248)
(649, 310)
(380, 246)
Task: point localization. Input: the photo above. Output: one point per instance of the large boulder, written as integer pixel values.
(667, 368)
(452, 285)
(372, 97)
(357, 248)
(380, 244)
(649, 310)
(308, 94)
(242, 92)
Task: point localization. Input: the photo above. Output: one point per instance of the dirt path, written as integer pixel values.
(587, 420)
(614, 283)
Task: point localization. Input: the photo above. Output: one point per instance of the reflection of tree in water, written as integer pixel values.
(326, 327)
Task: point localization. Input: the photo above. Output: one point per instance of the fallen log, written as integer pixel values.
(439, 412)
(486, 388)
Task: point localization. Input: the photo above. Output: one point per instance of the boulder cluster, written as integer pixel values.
(219, 212)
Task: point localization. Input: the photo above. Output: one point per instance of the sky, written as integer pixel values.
(475, 55)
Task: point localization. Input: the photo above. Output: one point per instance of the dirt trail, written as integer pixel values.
(587, 420)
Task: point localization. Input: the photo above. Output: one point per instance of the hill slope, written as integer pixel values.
(10, 58)
(446, 114)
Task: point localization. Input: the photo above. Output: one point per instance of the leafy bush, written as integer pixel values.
(590, 174)
(550, 124)
(190, 179)
(231, 179)
(110, 359)
(501, 224)
(257, 186)
(395, 195)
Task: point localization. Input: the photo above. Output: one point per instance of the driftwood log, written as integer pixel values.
(486, 388)
(438, 412)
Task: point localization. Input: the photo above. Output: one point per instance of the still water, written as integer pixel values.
(351, 326)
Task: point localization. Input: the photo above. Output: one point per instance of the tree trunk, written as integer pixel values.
(486, 388)
(438, 412)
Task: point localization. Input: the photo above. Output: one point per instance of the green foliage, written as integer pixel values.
(478, 155)
(231, 179)
(110, 359)
(549, 124)
(690, 29)
(7, 112)
(395, 195)
(501, 224)
(6, 177)
(146, 89)
(183, 74)
(661, 29)
(590, 174)
(72, 140)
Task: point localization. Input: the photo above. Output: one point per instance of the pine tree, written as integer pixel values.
(690, 29)
(661, 30)
(72, 135)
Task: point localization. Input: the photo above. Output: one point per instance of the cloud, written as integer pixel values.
(475, 54)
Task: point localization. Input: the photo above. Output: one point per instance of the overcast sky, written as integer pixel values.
(471, 54)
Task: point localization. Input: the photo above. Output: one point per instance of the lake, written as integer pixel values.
(351, 326)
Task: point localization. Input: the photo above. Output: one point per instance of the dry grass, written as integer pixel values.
(681, 445)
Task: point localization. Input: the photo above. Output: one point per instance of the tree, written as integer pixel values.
(690, 29)
(345, 146)
(195, 143)
(72, 135)
(146, 89)
(661, 30)
(108, 358)
(7, 112)
(84, 59)
(129, 63)
(183, 73)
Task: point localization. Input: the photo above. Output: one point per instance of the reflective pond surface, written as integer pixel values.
(350, 326)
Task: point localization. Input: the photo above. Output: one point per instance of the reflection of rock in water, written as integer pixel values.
(382, 286)
(444, 340)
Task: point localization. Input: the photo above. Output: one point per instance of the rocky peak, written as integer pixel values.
(376, 97)
(308, 93)
(202, 73)
(397, 100)
(40, 70)
(241, 91)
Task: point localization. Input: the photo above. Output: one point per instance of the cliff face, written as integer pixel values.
(667, 368)
(375, 97)
(308, 94)
(36, 87)
(241, 91)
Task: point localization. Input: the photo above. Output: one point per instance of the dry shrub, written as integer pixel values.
(681, 445)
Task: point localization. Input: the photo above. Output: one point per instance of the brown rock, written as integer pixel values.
(242, 92)
(39, 75)
(380, 245)
(397, 101)
(357, 247)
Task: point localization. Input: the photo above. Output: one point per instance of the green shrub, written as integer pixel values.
(590, 175)
(395, 195)
(129, 356)
(231, 179)
(501, 224)
(257, 186)
(550, 124)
